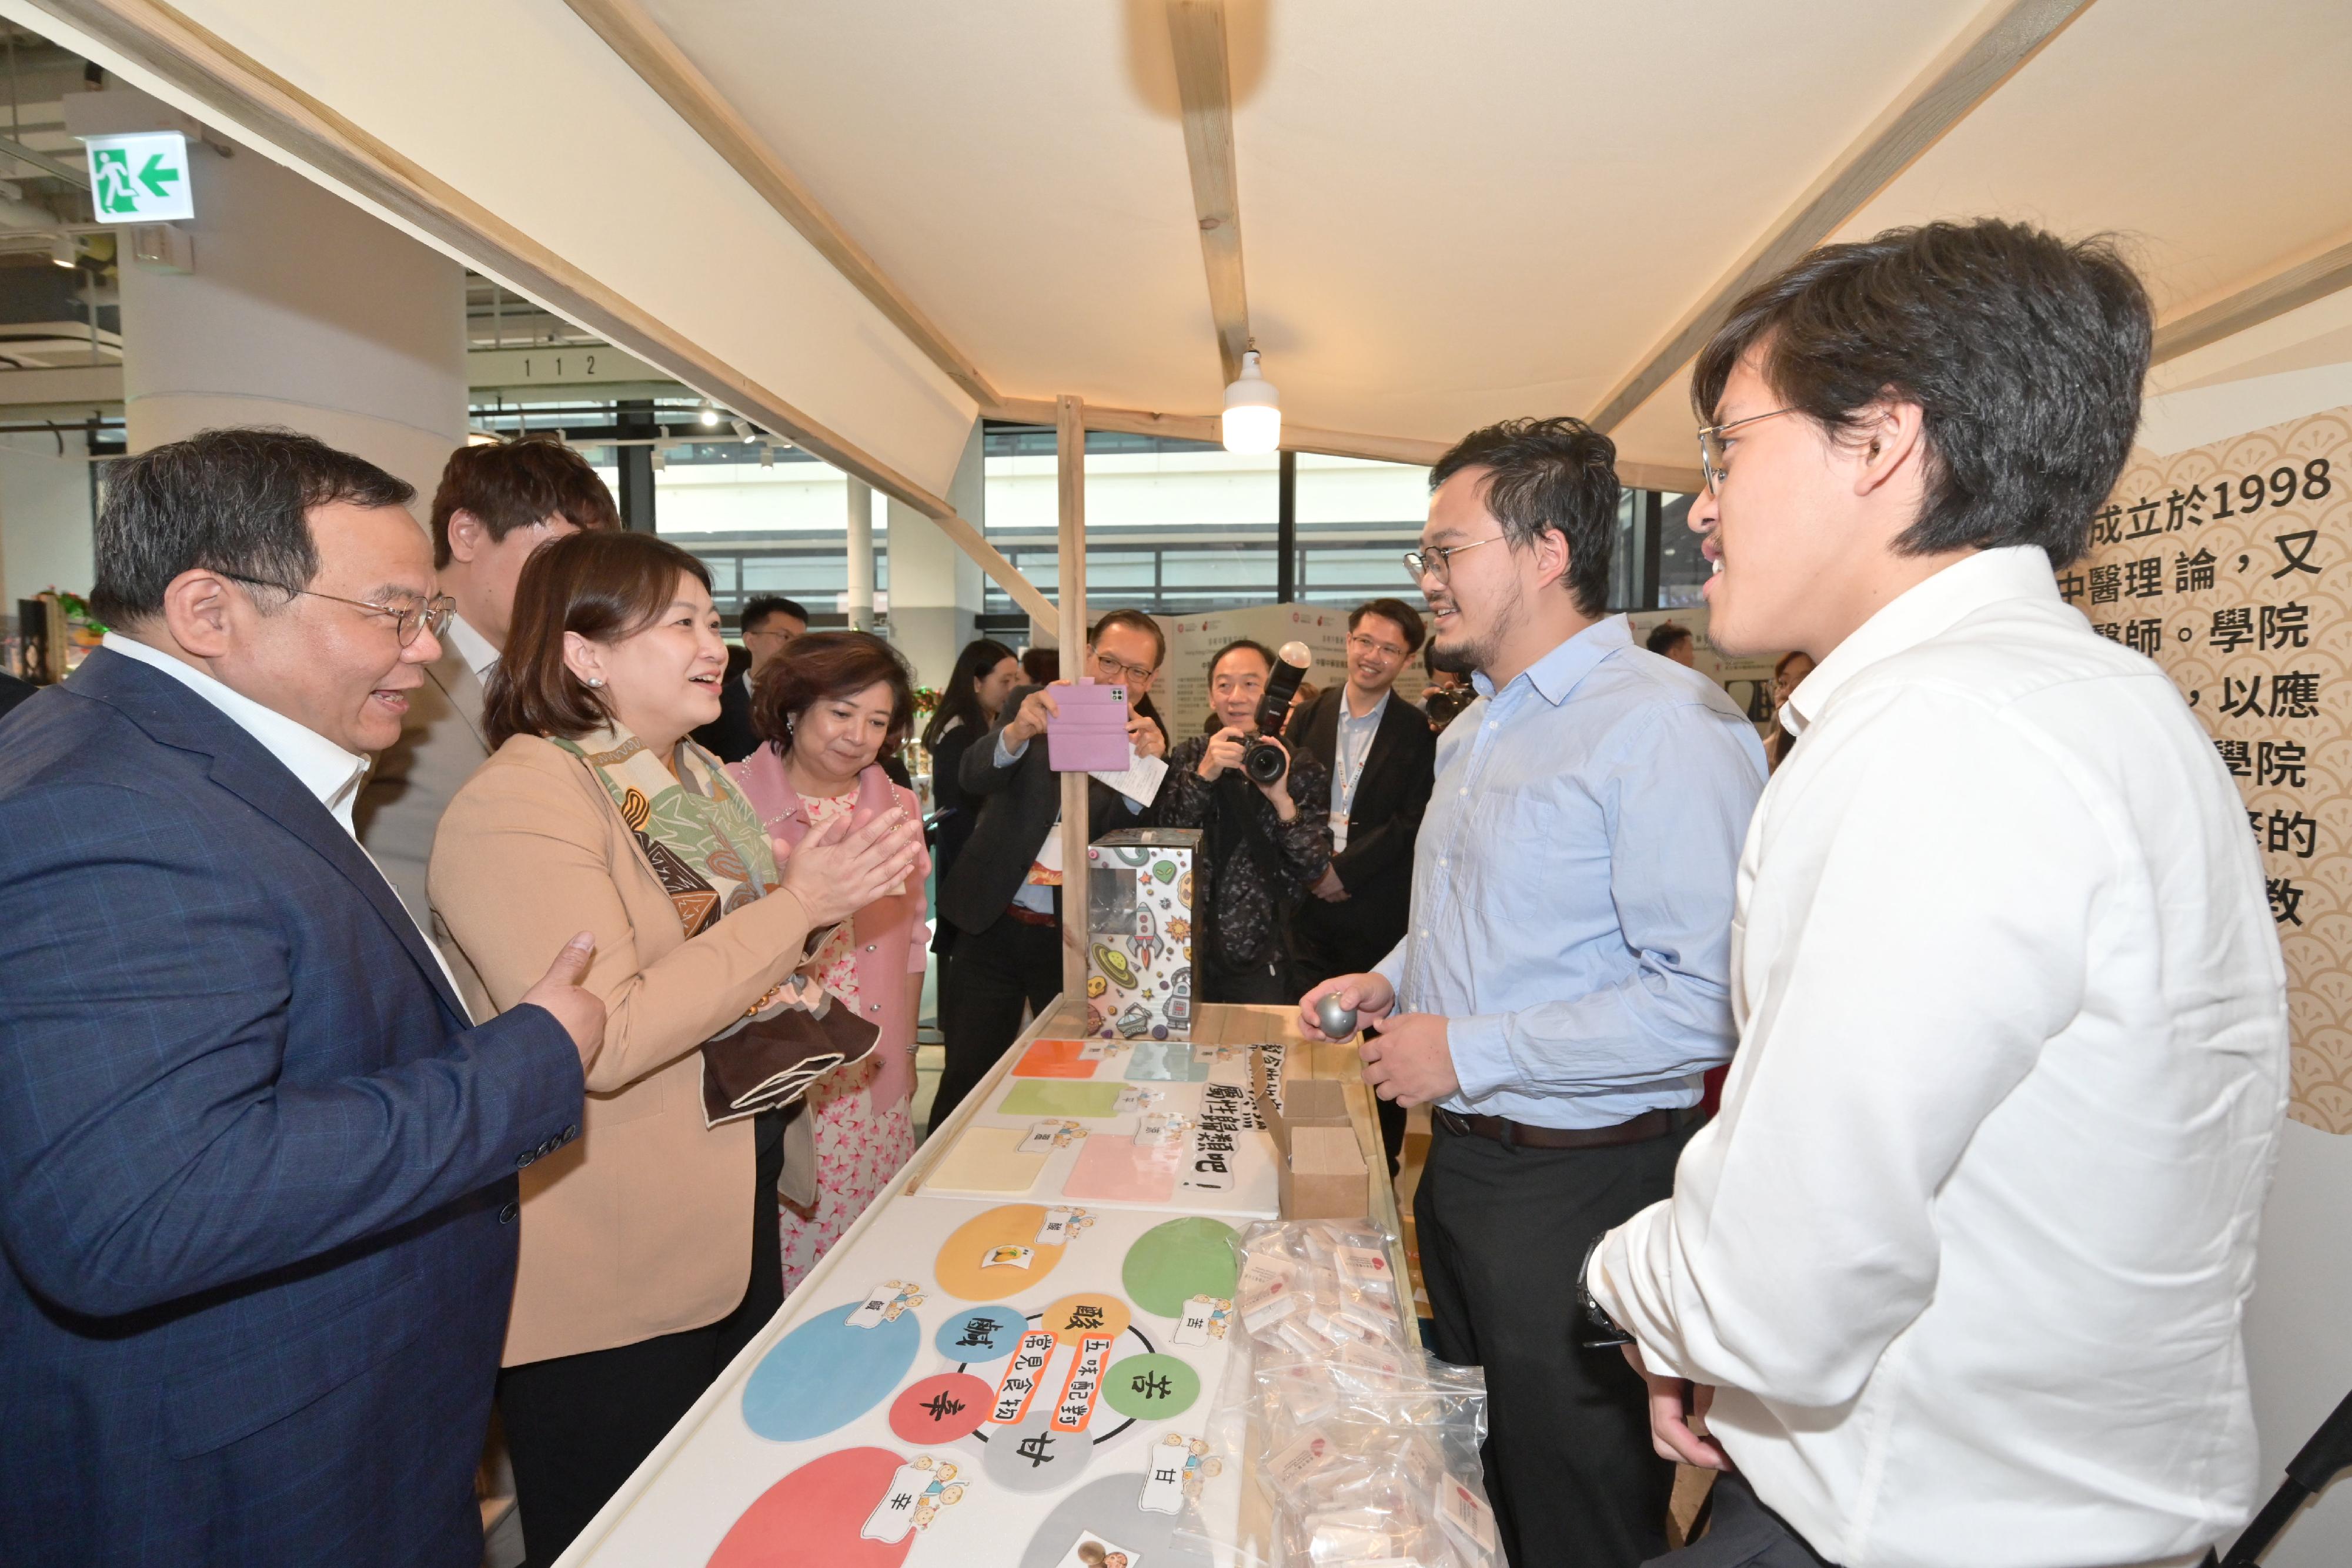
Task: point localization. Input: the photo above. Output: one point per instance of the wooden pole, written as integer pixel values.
(1070, 577)
(859, 524)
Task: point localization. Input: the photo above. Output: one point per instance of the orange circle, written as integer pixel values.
(1092, 1314)
(960, 1271)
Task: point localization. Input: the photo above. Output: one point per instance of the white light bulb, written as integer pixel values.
(710, 414)
(1253, 421)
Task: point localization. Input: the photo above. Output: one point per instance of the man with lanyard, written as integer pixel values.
(1363, 731)
(1964, 1264)
(1565, 982)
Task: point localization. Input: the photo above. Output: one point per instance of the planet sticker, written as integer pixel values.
(1112, 962)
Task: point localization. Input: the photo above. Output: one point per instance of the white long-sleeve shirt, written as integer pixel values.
(1967, 1251)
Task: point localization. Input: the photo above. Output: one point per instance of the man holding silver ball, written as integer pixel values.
(1564, 982)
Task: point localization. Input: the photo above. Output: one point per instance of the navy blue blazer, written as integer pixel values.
(258, 1169)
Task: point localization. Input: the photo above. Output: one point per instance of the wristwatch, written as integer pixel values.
(1600, 1330)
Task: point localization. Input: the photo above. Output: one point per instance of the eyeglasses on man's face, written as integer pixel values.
(408, 616)
(1365, 646)
(1715, 453)
(1437, 560)
(1118, 670)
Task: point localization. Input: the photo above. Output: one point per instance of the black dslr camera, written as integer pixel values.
(1262, 761)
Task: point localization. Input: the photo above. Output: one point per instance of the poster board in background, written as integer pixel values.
(1182, 692)
(2229, 565)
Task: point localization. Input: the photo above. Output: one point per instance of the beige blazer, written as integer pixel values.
(416, 776)
(639, 1227)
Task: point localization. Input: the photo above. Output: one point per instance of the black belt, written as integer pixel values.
(1641, 1129)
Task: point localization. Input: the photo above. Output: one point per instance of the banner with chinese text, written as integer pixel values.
(2231, 566)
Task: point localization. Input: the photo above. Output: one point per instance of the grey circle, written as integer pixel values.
(1339, 1022)
(1106, 1506)
(1032, 1456)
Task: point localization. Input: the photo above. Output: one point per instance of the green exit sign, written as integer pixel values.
(140, 177)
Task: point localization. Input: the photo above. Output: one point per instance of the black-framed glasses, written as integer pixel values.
(1115, 670)
(407, 620)
(1714, 458)
(1363, 644)
(1437, 560)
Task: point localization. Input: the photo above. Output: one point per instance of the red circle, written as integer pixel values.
(941, 1408)
(811, 1518)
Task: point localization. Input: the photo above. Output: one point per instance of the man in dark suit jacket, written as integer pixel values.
(1007, 954)
(13, 691)
(259, 1164)
(1382, 767)
(769, 624)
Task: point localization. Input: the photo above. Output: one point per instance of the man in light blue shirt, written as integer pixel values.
(1564, 981)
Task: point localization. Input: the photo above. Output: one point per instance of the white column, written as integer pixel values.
(860, 520)
(935, 588)
(303, 311)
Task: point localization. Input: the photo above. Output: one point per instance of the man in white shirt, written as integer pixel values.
(494, 506)
(260, 1164)
(1961, 1264)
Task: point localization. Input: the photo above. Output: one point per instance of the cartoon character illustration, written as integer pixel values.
(1180, 984)
(1220, 1314)
(1097, 985)
(1180, 929)
(1113, 962)
(1080, 1218)
(908, 1297)
(945, 1490)
(1135, 1023)
(1165, 871)
(1146, 938)
(1066, 1133)
(1200, 1470)
(1093, 1554)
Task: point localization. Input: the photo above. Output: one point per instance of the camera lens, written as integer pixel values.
(1264, 762)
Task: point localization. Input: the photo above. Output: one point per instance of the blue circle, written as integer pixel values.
(983, 1334)
(825, 1374)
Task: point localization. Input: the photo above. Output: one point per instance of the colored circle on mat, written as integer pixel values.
(1032, 1456)
(1093, 1314)
(941, 1408)
(1148, 1386)
(811, 1518)
(825, 1374)
(962, 1269)
(1106, 1507)
(1171, 1263)
(981, 1335)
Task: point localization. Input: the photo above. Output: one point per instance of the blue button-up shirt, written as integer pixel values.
(1572, 884)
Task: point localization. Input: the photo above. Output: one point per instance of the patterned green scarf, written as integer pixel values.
(698, 831)
(705, 844)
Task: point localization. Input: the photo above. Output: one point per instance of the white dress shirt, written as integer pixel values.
(1967, 1249)
(472, 647)
(324, 768)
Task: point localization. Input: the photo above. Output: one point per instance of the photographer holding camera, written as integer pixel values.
(1266, 821)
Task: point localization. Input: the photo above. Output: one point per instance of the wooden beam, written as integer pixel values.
(2282, 289)
(1205, 92)
(1990, 49)
(651, 53)
(241, 93)
(1070, 581)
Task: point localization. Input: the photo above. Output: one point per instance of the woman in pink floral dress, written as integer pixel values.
(824, 710)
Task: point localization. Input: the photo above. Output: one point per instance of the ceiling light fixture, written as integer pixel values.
(1253, 421)
(767, 456)
(742, 431)
(709, 412)
(62, 250)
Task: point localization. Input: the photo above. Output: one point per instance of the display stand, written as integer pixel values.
(962, 1379)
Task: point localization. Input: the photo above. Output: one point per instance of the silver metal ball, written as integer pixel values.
(1335, 1021)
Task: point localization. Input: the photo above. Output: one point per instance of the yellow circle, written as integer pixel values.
(1093, 1314)
(960, 1269)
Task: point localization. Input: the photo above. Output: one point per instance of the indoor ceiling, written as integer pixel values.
(1451, 215)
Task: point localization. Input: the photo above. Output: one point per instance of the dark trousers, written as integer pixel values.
(991, 976)
(1745, 1534)
(1569, 1466)
(579, 1426)
(1265, 983)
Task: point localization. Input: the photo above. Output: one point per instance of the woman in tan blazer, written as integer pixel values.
(649, 1252)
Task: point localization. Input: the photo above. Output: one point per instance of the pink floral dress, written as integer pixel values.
(858, 1148)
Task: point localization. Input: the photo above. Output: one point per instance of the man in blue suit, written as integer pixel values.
(258, 1163)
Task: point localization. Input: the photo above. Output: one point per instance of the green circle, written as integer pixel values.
(1149, 1387)
(1171, 1263)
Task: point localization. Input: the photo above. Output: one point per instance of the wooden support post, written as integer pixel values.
(1070, 576)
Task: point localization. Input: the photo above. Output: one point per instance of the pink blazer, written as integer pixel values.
(892, 937)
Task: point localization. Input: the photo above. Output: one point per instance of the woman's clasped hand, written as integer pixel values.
(841, 868)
